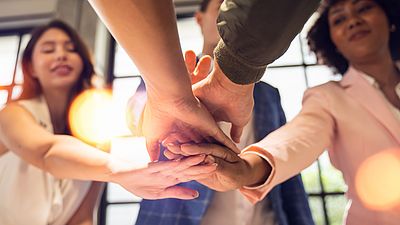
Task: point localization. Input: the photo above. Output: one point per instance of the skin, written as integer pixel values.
(168, 84)
(66, 157)
(360, 31)
(368, 52)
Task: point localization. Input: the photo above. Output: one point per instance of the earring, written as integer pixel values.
(393, 28)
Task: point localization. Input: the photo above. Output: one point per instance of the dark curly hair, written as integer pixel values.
(321, 43)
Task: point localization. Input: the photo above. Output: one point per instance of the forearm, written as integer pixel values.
(70, 158)
(147, 30)
(255, 33)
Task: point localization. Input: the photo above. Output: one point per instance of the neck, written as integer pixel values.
(382, 69)
(208, 48)
(57, 103)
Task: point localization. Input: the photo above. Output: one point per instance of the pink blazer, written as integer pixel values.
(352, 120)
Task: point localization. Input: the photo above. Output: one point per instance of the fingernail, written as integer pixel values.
(196, 194)
(215, 164)
(209, 160)
(178, 159)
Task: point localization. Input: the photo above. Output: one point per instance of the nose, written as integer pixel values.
(61, 54)
(354, 21)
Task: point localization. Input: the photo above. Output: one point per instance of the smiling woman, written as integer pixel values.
(45, 172)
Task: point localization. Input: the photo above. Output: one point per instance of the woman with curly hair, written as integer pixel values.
(353, 119)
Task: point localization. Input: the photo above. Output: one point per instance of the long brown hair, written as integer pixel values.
(31, 86)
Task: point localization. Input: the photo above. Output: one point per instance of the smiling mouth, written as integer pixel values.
(359, 35)
(62, 70)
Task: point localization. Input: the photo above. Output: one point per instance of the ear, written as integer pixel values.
(199, 18)
(32, 71)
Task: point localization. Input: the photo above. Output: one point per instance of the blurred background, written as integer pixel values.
(292, 74)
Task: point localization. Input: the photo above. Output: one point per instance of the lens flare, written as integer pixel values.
(90, 117)
(378, 180)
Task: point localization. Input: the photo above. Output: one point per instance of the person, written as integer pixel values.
(45, 171)
(254, 33)
(286, 204)
(354, 119)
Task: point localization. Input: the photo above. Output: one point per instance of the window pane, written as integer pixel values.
(309, 57)
(310, 179)
(3, 97)
(336, 206)
(123, 89)
(292, 56)
(8, 55)
(132, 150)
(332, 178)
(123, 65)
(291, 84)
(18, 74)
(116, 193)
(190, 35)
(16, 92)
(317, 210)
(317, 75)
(122, 214)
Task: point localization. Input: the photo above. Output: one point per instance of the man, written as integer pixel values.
(286, 204)
(254, 33)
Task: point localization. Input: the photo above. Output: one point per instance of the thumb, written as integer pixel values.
(202, 69)
(236, 133)
(190, 61)
(153, 148)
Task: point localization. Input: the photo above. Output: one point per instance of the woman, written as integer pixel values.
(354, 119)
(39, 158)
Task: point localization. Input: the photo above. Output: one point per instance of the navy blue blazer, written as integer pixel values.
(289, 200)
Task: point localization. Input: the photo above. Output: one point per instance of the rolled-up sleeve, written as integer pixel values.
(256, 32)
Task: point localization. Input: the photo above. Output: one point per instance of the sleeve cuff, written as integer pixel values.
(253, 149)
(235, 68)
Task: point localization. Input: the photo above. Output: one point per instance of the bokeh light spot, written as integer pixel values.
(378, 180)
(91, 116)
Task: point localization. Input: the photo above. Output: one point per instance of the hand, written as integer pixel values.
(233, 171)
(157, 180)
(225, 100)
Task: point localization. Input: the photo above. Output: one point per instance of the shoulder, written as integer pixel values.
(331, 89)
(14, 110)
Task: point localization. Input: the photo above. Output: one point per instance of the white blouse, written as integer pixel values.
(29, 195)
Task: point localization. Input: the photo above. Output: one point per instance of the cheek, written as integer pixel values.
(40, 66)
(77, 63)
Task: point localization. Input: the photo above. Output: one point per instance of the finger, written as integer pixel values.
(236, 133)
(172, 156)
(178, 192)
(202, 69)
(197, 170)
(155, 167)
(210, 149)
(153, 148)
(201, 176)
(175, 149)
(190, 61)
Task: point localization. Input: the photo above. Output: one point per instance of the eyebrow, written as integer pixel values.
(53, 42)
(340, 9)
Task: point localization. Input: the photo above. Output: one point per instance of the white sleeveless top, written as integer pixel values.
(29, 195)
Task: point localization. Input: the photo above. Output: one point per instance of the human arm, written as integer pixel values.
(285, 151)
(66, 157)
(147, 30)
(254, 33)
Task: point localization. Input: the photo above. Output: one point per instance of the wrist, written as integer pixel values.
(219, 79)
(260, 169)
